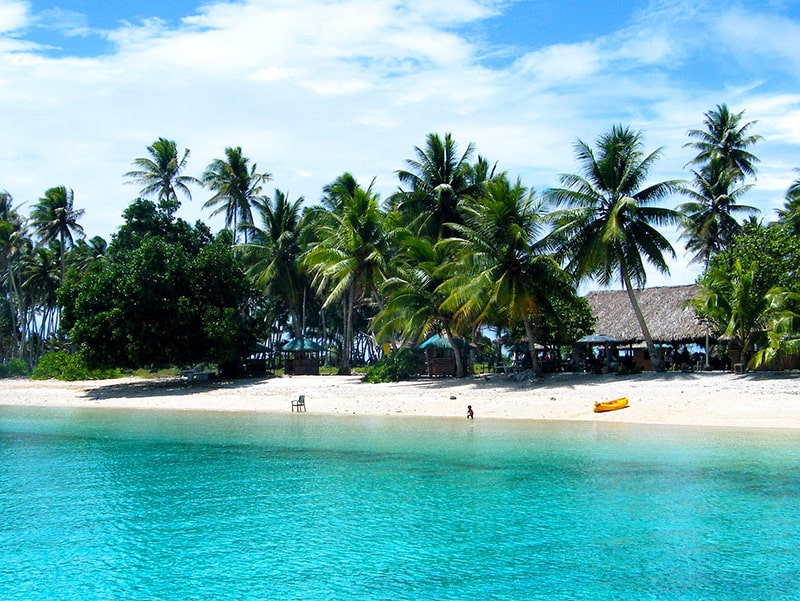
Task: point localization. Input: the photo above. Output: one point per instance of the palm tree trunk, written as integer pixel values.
(658, 365)
(16, 307)
(297, 326)
(63, 254)
(456, 351)
(344, 364)
(537, 368)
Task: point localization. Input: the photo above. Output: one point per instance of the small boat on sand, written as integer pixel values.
(611, 405)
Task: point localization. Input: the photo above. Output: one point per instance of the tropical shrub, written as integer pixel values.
(13, 368)
(400, 365)
(61, 365)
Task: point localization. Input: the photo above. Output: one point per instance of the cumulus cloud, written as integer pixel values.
(313, 88)
(13, 15)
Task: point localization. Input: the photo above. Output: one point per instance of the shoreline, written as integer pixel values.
(713, 399)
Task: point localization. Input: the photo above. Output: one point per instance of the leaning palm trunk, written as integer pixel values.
(658, 365)
(537, 368)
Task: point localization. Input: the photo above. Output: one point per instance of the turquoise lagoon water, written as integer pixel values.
(181, 506)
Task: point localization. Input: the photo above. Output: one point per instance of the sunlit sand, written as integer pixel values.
(700, 399)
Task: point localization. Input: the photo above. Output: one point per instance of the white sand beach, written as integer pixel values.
(758, 400)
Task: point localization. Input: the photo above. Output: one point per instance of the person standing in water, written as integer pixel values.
(470, 413)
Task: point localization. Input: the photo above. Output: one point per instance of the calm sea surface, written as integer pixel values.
(182, 506)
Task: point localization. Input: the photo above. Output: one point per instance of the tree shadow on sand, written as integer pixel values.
(170, 387)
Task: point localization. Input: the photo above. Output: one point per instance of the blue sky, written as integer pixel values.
(312, 88)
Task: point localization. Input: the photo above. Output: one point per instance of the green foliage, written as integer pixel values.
(13, 368)
(172, 296)
(608, 229)
(564, 319)
(8, 330)
(160, 174)
(400, 365)
(350, 259)
(726, 140)
(437, 181)
(273, 257)
(143, 219)
(62, 365)
(237, 187)
(774, 250)
(740, 287)
(709, 218)
(783, 330)
(734, 305)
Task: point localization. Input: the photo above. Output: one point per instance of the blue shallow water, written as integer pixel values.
(149, 505)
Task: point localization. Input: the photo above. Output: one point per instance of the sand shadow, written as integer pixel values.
(170, 387)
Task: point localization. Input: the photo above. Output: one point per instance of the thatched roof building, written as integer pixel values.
(665, 311)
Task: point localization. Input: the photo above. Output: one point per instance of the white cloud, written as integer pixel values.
(561, 64)
(13, 15)
(754, 36)
(313, 88)
(70, 23)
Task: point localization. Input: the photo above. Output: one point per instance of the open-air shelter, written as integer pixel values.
(439, 356)
(301, 357)
(667, 310)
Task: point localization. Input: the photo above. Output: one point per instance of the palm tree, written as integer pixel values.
(499, 270)
(237, 187)
(733, 302)
(414, 303)
(274, 253)
(790, 214)
(608, 227)
(438, 179)
(13, 245)
(6, 209)
(160, 174)
(85, 253)
(55, 219)
(709, 224)
(725, 139)
(40, 281)
(333, 194)
(349, 261)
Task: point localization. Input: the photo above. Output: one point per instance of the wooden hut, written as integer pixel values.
(666, 309)
(260, 361)
(439, 357)
(301, 357)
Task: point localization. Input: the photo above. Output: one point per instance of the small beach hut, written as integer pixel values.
(439, 357)
(258, 363)
(301, 357)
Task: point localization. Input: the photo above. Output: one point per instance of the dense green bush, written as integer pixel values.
(14, 368)
(401, 365)
(166, 294)
(61, 365)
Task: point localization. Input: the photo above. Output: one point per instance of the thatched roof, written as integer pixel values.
(664, 308)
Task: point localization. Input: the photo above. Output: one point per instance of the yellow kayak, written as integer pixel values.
(611, 405)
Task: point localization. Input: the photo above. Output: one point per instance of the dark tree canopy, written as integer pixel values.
(168, 295)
